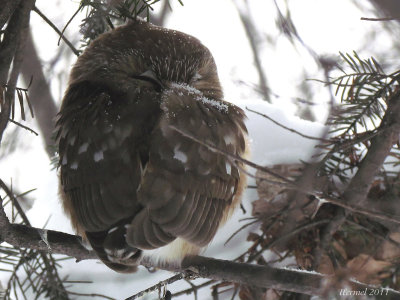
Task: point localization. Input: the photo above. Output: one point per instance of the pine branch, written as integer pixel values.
(45, 267)
(359, 186)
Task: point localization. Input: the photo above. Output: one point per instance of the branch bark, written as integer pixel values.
(248, 274)
(7, 9)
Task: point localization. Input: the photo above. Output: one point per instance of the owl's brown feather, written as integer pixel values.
(129, 181)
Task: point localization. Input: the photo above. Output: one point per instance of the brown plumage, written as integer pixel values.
(130, 183)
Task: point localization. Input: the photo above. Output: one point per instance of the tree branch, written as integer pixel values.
(43, 16)
(56, 242)
(251, 36)
(39, 94)
(11, 48)
(7, 9)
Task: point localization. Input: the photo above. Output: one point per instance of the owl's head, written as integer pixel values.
(142, 55)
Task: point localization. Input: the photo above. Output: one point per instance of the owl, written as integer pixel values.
(132, 184)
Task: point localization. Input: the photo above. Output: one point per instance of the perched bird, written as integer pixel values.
(133, 179)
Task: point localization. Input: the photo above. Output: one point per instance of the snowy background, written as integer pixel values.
(327, 26)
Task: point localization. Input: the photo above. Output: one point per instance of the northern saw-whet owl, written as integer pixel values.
(131, 183)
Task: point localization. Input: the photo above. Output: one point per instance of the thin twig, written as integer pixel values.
(69, 22)
(285, 237)
(36, 10)
(380, 19)
(23, 126)
(240, 229)
(288, 128)
(158, 286)
(90, 295)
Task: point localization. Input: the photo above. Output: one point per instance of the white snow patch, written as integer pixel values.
(214, 103)
(271, 144)
(302, 271)
(186, 87)
(217, 104)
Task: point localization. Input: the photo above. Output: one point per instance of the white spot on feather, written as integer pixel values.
(99, 155)
(64, 160)
(83, 148)
(113, 229)
(74, 165)
(229, 139)
(228, 168)
(179, 155)
(72, 140)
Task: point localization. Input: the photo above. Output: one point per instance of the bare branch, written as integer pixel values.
(262, 276)
(248, 274)
(39, 93)
(251, 36)
(379, 19)
(287, 128)
(23, 126)
(43, 16)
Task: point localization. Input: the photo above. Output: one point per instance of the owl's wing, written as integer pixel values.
(187, 189)
(130, 181)
(103, 142)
